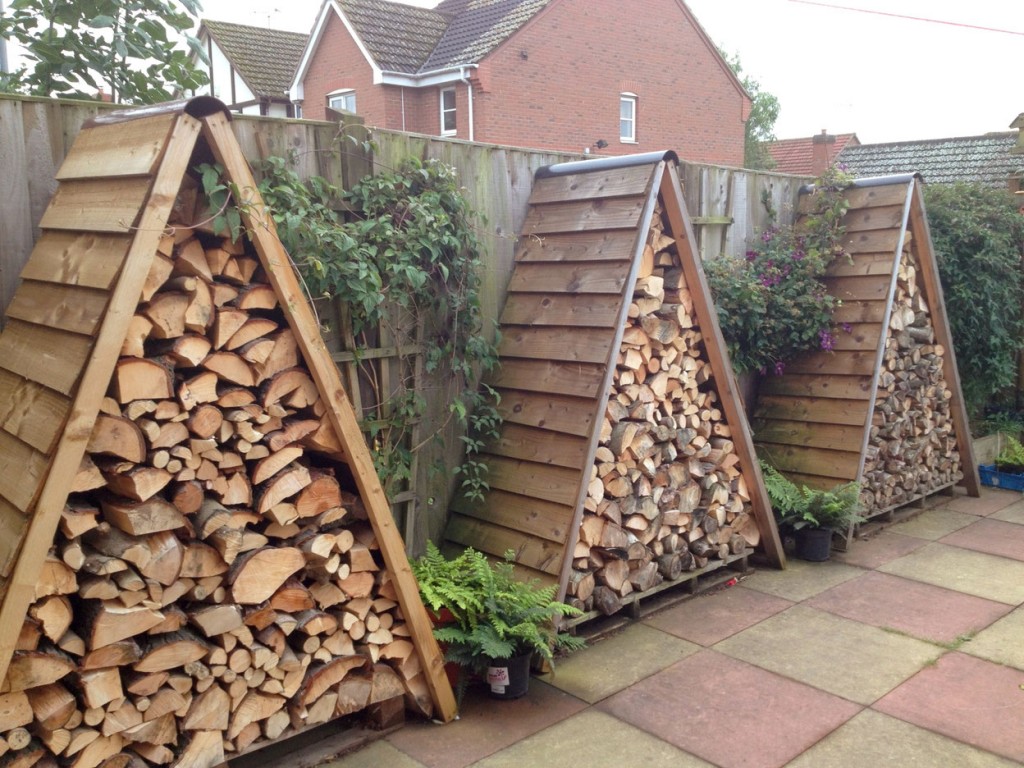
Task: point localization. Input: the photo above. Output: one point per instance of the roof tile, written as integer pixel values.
(265, 58)
(399, 37)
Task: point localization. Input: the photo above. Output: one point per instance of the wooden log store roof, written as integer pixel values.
(103, 234)
(570, 294)
(847, 415)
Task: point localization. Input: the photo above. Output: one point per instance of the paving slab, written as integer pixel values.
(714, 616)
(1011, 514)
(801, 579)
(912, 607)
(847, 658)
(971, 700)
(616, 662)
(997, 537)
(991, 500)
(378, 754)
(1003, 642)
(728, 712)
(974, 573)
(485, 726)
(874, 740)
(879, 549)
(934, 524)
(592, 738)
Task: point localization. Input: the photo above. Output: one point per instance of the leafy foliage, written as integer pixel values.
(802, 507)
(408, 249)
(495, 616)
(129, 47)
(759, 129)
(978, 235)
(773, 305)
(1011, 458)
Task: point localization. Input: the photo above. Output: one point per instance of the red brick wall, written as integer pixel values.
(581, 54)
(556, 84)
(338, 63)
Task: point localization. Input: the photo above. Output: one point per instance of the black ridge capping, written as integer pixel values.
(605, 164)
(873, 181)
(197, 107)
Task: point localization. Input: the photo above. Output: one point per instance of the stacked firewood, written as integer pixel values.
(666, 494)
(912, 449)
(214, 580)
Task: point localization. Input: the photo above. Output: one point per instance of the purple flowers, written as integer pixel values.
(827, 339)
(847, 328)
(780, 367)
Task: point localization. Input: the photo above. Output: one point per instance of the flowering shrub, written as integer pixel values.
(772, 305)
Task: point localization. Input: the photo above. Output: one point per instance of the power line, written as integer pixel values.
(911, 18)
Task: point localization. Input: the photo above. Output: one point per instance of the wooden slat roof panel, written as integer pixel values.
(74, 258)
(22, 471)
(541, 446)
(135, 150)
(65, 307)
(580, 345)
(531, 552)
(536, 517)
(614, 245)
(31, 412)
(97, 205)
(584, 215)
(817, 410)
(527, 478)
(575, 379)
(597, 278)
(552, 411)
(599, 311)
(819, 385)
(619, 182)
(44, 355)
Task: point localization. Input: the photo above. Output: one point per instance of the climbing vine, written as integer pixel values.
(404, 256)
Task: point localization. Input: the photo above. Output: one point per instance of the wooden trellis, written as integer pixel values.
(885, 407)
(580, 253)
(69, 328)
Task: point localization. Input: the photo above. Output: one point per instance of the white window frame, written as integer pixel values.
(630, 99)
(344, 95)
(445, 112)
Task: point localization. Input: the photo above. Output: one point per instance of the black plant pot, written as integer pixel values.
(814, 544)
(509, 678)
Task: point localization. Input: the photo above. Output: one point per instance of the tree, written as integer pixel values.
(978, 234)
(760, 126)
(133, 49)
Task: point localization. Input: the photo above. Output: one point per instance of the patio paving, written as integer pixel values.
(904, 651)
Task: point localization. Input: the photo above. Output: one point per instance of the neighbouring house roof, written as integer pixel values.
(265, 59)
(984, 159)
(399, 37)
(410, 40)
(796, 156)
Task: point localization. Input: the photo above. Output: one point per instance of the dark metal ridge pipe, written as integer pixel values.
(197, 106)
(873, 181)
(605, 164)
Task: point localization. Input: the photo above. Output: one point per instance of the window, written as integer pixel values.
(343, 101)
(627, 118)
(447, 111)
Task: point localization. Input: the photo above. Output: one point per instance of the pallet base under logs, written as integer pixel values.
(880, 519)
(638, 605)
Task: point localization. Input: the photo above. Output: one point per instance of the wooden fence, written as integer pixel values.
(725, 203)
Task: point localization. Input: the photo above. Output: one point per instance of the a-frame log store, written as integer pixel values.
(196, 555)
(885, 407)
(624, 460)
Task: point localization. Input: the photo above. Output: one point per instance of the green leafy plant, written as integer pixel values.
(773, 305)
(978, 234)
(802, 507)
(1011, 458)
(130, 48)
(494, 615)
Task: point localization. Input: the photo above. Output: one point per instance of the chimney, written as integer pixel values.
(822, 152)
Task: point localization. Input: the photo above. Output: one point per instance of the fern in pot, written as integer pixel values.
(493, 624)
(812, 515)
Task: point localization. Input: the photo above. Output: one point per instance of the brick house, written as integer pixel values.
(250, 68)
(596, 75)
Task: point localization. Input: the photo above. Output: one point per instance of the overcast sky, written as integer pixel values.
(847, 71)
